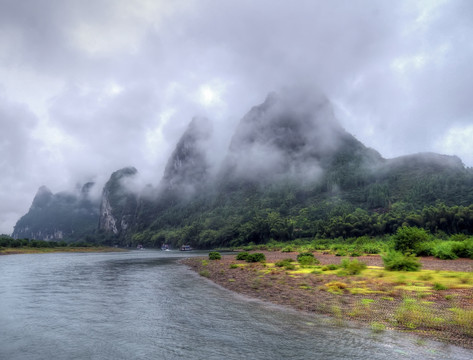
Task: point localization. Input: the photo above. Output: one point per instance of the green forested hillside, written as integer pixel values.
(321, 183)
(291, 172)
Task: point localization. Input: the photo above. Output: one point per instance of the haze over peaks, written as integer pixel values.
(289, 162)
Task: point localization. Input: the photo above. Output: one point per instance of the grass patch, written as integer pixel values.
(335, 287)
(412, 315)
(464, 320)
(204, 273)
(439, 286)
(377, 327)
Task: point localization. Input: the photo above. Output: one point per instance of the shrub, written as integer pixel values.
(443, 250)
(234, 266)
(353, 267)
(287, 249)
(396, 261)
(439, 286)
(425, 248)
(408, 237)
(290, 266)
(242, 256)
(307, 258)
(463, 249)
(372, 248)
(330, 267)
(256, 257)
(214, 255)
(304, 254)
(285, 262)
(458, 237)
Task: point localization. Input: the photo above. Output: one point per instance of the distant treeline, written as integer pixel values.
(326, 220)
(9, 242)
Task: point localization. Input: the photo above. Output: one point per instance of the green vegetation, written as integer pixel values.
(9, 242)
(396, 261)
(284, 262)
(307, 259)
(464, 320)
(204, 273)
(236, 225)
(407, 238)
(256, 257)
(413, 314)
(353, 267)
(442, 247)
(377, 327)
(214, 255)
(439, 286)
(243, 255)
(8, 245)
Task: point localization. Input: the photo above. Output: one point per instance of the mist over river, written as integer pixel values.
(144, 305)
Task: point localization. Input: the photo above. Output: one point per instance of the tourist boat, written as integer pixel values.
(185, 248)
(165, 247)
(140, 247)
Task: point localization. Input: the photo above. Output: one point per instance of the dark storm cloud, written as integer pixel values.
(107, 84)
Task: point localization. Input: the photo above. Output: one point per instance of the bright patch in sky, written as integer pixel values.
(457, 141)
(114, 89)
(208, 96)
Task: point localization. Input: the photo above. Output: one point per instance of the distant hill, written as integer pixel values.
(62, 216)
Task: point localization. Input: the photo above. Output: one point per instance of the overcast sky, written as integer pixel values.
(90, 86)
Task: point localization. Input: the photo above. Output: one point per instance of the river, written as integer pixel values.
(144, 305)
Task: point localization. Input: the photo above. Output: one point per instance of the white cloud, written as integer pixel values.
(457, 141)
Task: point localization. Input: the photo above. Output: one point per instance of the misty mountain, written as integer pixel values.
(61, 216)
(295, 135)
(188, 166)
(291, 171)
(119, 202)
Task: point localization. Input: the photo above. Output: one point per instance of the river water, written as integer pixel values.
(144, 305)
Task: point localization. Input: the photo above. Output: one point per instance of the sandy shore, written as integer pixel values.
(376, 301)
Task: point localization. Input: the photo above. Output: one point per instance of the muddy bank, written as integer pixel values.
(373, 298)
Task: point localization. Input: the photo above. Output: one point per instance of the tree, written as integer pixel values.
(407, 237)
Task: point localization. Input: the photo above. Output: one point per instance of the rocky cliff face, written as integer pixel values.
(59, 216)
(188, 165)
(119, 202)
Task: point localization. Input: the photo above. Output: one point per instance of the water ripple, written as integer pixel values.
(143, 305)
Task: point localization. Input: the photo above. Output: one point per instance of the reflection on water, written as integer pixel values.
(143, 305)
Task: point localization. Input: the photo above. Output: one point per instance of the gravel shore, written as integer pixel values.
(370, 301)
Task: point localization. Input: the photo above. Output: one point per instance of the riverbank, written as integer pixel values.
(436, 302)
(31, 250)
